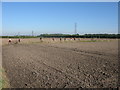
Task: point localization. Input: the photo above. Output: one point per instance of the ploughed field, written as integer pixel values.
(61, 64)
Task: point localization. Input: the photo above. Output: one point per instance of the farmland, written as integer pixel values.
(80, 63)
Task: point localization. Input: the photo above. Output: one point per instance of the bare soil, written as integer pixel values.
(61, 65)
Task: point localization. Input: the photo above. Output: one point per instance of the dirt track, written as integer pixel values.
(62, 65)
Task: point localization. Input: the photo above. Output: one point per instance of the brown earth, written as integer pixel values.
(61, 65)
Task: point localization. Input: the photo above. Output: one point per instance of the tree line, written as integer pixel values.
(80, 36)
(67, 36)
(25, 36)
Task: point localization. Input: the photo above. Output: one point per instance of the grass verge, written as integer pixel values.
(4, 82)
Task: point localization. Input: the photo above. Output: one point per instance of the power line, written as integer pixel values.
(32, 33)
(75, 28)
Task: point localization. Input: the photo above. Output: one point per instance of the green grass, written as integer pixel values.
(4, 82)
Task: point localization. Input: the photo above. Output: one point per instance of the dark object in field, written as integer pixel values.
(18, 40)
(40, 39)
(25, 84)
(53, 39)
(9, 41)
(74, 38)
(60, 39)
